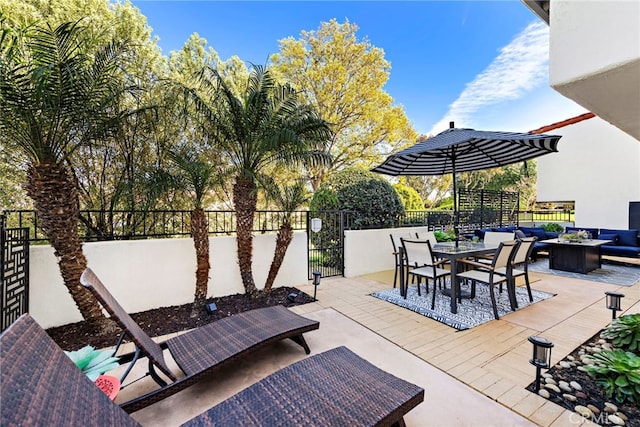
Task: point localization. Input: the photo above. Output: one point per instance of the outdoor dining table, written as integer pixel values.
(454, 253)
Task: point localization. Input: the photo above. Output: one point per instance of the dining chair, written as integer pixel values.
(395, 241)
(427, 235)
(494, 238)
(418, 252)
(498, 272)
(521, 259)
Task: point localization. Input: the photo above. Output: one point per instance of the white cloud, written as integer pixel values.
(521, 67)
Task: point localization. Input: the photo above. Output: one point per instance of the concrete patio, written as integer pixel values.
(475, 377)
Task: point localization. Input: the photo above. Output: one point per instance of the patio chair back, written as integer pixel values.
(524, 250)
(418, 252)
(504, 255)
(41, 385)
(142, 341)
(427, 235)
(495, 237)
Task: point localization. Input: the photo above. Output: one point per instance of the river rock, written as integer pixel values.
(580, 395)
(569, 397)
(610, 408)
(547, 375)
(544, 393)
(554, 388)
(571, 358)
(582, 368)
(594, 409)
(565, 365)
(614, 419)
(621, 415)
(550, 381)
(584, 411)
(575, 386)
(564, 386)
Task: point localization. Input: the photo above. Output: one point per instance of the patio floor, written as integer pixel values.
(475, 377)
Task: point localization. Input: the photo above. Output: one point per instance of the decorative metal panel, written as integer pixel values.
(14, 263)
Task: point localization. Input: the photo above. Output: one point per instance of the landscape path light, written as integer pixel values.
(541, 356)
(316, 283)
(613, 302)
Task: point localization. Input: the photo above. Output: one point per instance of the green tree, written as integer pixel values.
(410, 198)
(118, 171)
(197, 176)
(56, 95)
(343, 78)
(288, 197)
(266, 125)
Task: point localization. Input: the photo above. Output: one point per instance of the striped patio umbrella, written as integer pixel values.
(463, 150)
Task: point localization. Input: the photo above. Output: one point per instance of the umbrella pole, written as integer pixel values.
(456, 214)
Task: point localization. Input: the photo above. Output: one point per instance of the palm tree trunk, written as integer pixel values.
(245, 200)
(200, 234)
(55, 197)
(285, 235)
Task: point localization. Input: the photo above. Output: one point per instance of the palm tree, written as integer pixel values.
(288, 198)
(199, 176)
(265, 125)
(55, 96)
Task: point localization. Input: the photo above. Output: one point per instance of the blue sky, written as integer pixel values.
(483, 64)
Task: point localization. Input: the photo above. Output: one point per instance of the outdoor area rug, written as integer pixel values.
(613, 274)
(471, 312)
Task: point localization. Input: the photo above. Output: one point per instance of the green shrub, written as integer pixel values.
(553, 227)
(624, 332)
(371, 198)
(618, 373)
(444, 236)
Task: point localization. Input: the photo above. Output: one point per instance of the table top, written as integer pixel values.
(589, 242)
(463, 248)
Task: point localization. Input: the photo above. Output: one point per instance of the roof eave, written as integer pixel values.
(540, 8)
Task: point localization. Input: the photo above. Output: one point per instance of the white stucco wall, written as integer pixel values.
(594, 58)
(587, 37)
(145, 274)
(370, 251)
(598, 167)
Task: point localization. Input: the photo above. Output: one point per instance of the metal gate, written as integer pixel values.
(14, 270)
(326, 245)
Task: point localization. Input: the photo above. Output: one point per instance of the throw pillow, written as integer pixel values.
(520, 235)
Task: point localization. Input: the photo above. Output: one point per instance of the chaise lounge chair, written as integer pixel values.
(42, 386)
(203, 350)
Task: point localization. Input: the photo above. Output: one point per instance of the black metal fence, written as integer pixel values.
(14, 271)
(97, 225)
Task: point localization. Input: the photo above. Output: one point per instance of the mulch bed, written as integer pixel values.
(166, 320)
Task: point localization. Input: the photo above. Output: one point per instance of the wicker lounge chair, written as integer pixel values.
(42, 386)
(200, 351)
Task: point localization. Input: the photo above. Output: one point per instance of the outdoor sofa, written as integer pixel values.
(41, 386)
(624, 243)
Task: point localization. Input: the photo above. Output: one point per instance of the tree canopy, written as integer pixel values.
(343, 77)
